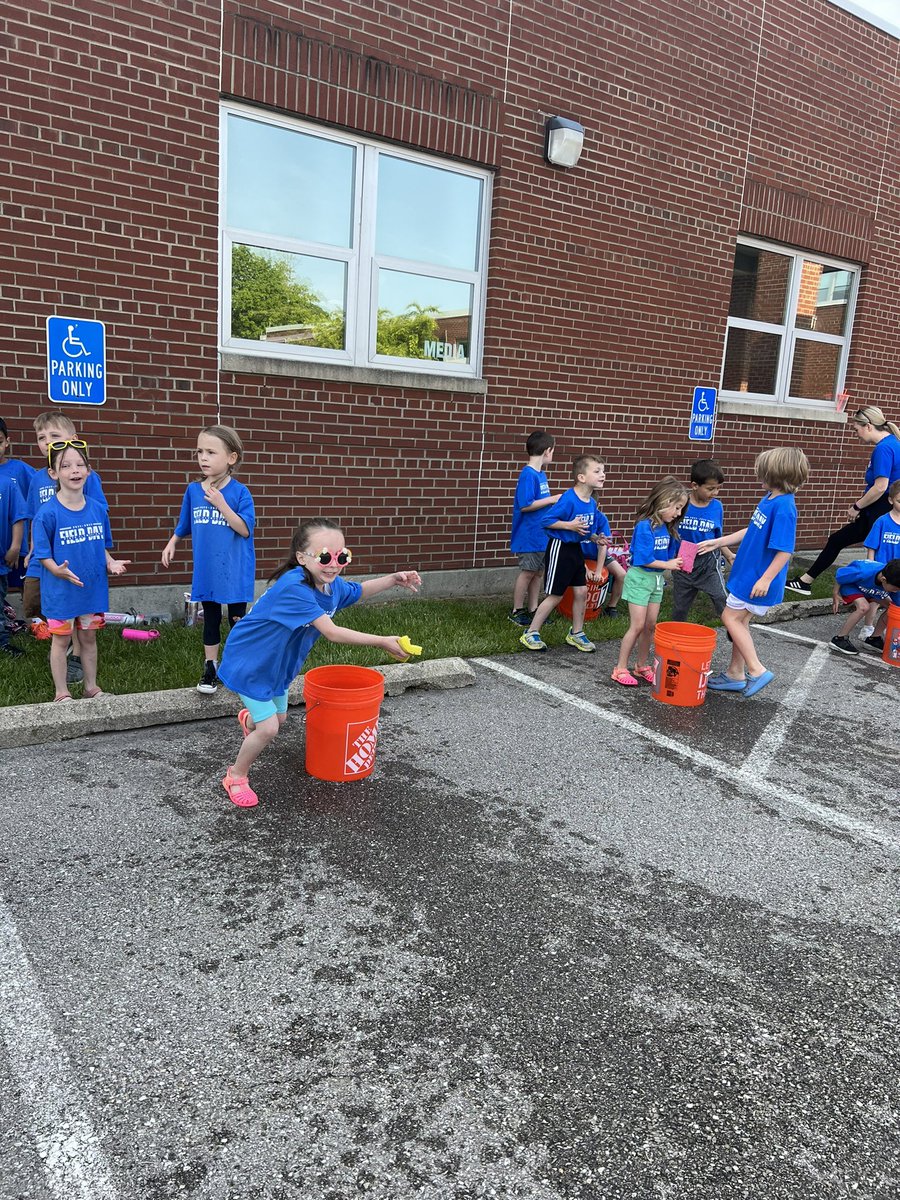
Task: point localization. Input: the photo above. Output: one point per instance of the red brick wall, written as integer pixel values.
(609, 283)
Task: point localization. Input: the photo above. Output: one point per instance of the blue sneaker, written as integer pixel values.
(533, 641)
(580, 641)
(721, 682)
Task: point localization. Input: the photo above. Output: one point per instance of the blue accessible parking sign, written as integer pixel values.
(76, 361)
(703, 414)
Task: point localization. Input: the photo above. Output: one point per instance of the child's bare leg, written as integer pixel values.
(544, 609)
(89, 658)
(743, 652)
(521, 588)
(534, 591)
(255, 742)
(881, 623)
(579, 603)
(618, 582)
(58, 663)
(860, 607)
(646, 637)
(637, 615)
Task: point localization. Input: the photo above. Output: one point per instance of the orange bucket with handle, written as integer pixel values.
(597, 586)
(342, 708)
(682, 662)
(891, 651)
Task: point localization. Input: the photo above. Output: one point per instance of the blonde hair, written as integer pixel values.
(668, 491)
(785, 468)
(870, 415)
(46, 419)
(230, 439)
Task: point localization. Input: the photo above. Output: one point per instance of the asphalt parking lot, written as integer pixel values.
(566, 942)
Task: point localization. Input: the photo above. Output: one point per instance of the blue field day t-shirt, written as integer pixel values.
(590, 549)
(224, 562)
(80, 538)
(701, 524)
(884, 462)
(650, 545)
(772, 529)
(567, 508)
(884, 538)
(266, 650)
(21, 472)
(12, 508)
(528, 534)
(41, 489)
(859, 576)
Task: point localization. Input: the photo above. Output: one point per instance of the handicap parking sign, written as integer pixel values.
(703, 414)
(76, 361)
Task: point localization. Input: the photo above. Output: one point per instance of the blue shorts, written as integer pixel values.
(261, 710)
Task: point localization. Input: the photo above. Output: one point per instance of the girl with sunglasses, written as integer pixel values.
(71, 541)
(267, 649)
(217, 514)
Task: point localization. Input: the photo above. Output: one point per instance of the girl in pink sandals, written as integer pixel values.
(266, 649)
(72, 540)
(654, 545)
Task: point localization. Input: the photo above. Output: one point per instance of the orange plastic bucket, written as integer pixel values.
(596, 593)
(683, 660)
(342, 706)
(891, 651)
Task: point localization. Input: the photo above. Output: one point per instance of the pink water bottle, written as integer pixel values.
(140, 635)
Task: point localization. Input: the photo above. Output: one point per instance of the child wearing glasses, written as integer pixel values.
(51, 427)
(266, 650)
(217, 514)
(71, 537)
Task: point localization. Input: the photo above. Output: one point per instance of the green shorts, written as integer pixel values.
(643, 587)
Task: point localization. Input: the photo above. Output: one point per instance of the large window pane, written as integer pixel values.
(427, 214)
(824, 296)
(814, 370)
(759, 286)
(420, 317)
(751, 361)
(289, 298)
(289, 184)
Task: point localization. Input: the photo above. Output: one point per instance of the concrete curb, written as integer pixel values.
(793, 610)
(34, 724)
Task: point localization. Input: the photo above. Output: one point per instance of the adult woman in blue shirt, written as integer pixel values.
(883, 470)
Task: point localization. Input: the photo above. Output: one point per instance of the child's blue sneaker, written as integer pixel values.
(756, 683)
(580, 641)
(533, 641)
(724, 683)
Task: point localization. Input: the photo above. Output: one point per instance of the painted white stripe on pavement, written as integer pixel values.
(760, 758)
(871, 659)
(74, 1165)
(770, 792)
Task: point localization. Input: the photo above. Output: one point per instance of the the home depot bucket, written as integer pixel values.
(683, 658)
(342, 705)
(597, 587)
(891, 652)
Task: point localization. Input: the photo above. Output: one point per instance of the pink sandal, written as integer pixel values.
(645, 673)
(239, 791)
(244, 717)
(95, 694)
(61, 699)
(624, 677)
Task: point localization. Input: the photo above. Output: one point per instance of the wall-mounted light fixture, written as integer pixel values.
(563, 141)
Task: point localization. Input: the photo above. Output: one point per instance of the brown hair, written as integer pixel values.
(230, 439)
(785, 468)
(299, 542)
(579, 466)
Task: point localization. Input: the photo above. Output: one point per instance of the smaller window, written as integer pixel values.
(789, 324)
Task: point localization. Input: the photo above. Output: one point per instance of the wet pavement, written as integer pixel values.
(566, 942)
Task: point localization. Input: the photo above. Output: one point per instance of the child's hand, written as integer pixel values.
(579, 524)
(760, 588)
(835, 599)
(394, 649)
(411, 580)
(168, 553)
(27, 559)
(116, 566)
(706, 547)
(674, 564)
(63, 572)
(213, 495)
(11, 558)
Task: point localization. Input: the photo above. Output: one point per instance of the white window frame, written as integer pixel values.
(362, 263)
(790, 334)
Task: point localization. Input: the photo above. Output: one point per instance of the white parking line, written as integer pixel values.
(74, 1165)
(772, 793)
(799, 637)
(760, 758)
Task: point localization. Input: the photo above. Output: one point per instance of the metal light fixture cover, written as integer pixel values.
(563, 141)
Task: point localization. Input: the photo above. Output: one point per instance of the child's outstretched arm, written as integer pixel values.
(732, 539)
(406, 579)
(353, 637)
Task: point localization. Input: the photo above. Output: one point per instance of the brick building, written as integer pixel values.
(332, 226)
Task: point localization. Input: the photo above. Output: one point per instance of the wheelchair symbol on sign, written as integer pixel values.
(73, 346)
(702, 405)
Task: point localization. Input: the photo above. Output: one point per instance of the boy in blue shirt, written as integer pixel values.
(703, 518)
(21, 472)
(572, 519)
(867, 585)
(12, 523)
(529, 538)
